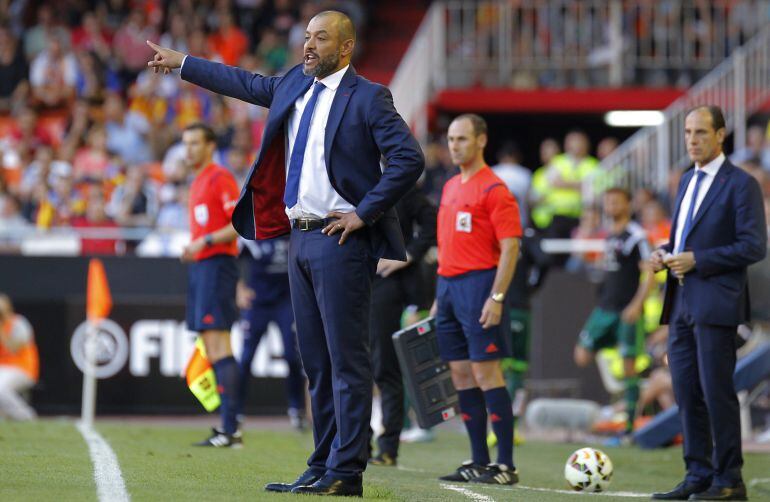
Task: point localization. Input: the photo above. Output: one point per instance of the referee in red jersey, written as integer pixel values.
(478, 231)
(213, 271)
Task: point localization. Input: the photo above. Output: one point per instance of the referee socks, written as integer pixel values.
(501, 415)
(474, 415)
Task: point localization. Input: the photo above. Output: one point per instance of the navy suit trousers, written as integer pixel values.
(702, 362)
(330, 294)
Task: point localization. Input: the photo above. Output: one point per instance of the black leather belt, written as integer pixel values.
(307, 224)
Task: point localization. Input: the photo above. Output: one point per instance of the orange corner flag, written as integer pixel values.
(98, 298)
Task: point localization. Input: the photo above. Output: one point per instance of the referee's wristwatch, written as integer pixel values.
(497, 297)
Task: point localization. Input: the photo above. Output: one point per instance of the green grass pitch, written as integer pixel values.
(49, 460)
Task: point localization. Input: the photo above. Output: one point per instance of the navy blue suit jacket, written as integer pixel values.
(363, 126)
(728, 234)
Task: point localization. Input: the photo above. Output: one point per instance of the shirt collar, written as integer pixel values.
(333, 81)
(712, 167)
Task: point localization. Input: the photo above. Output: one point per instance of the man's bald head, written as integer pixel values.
(329, 42)
(345, 28)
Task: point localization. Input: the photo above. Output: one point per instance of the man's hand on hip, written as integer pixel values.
(387, 267)
(491, 314)
(347, 223)
(165, 59)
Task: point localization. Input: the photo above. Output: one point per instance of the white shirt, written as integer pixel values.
(711, 169)
(316, 196)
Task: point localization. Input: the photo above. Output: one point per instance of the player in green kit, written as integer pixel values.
(617, 319)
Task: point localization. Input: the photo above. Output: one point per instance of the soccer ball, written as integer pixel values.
(588, 470)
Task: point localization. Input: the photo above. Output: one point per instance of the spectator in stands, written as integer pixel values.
(126, 131)
(605, 147)
(438, 169)
(12, 222)
(515, 176)
(590, 227)
(90, 82)
(130, 47)
(13, 71)
(95, 217)
(91, 160)
(19, 363)
(53, 75)
(62, 203)
(228, 43)
(176, 36)
(272, 51)
(239, 163)
(756, 148)
(29, 134)
(558, 187)
(655, 222)
(37, 38)
(135, 202)
(39, 170)
(173, 213)
(92, 37)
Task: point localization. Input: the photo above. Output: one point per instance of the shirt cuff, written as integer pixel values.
(183, 60)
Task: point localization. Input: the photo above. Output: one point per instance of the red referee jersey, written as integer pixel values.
(213, 195)
(473, 218)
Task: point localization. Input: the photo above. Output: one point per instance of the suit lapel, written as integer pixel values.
(337, 110)
(720, 180)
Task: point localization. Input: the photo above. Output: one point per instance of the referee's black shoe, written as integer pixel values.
(467, 471)
(306, 478)
(497, 474)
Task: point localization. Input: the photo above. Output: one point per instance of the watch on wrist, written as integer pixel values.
(209, 240)
(497, 297)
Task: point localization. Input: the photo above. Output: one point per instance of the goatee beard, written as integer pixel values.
(325, 67)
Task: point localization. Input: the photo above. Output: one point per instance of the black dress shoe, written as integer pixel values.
(306, 478)
(682, 491)
(738, 492)
(328, 485)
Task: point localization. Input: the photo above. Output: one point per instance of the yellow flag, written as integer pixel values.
(201, 378)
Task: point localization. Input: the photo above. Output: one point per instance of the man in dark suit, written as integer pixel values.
(318, 173)
(718, 230)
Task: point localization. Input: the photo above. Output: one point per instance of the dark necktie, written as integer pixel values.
(298, 151)
(690, 212)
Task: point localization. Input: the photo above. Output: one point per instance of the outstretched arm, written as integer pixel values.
(216, 77)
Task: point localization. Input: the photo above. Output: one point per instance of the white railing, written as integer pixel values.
(739, 85)
(592, 42)
(417, 76)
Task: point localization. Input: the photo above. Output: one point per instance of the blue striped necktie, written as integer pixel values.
(690, 212)
(298, 151)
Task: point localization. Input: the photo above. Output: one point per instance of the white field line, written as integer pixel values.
(572, 492)
(477, 497)
(110, 486)
(759, 481)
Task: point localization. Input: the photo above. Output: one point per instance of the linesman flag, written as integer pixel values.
(201, 378)
(98, 297)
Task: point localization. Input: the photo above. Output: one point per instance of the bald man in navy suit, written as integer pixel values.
(318, 175)
(718, 231)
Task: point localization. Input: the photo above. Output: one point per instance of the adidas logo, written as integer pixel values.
(208, 319)
(491, 348)
(219, 440)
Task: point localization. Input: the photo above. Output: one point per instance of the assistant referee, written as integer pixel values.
(478, 231)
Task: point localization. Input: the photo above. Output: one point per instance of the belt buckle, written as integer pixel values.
(304, 225)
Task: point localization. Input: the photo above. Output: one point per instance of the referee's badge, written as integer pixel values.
(201, 212)
(464, 222)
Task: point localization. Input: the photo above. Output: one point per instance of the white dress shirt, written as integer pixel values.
(316, 196)
(711, 169)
